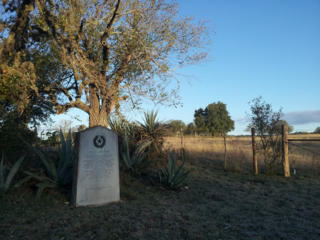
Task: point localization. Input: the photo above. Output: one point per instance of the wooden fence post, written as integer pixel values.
(285, 158)
(225, 150)
(182, 149)
(255, 162)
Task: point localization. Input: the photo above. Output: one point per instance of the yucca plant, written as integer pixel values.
(56, 176)
(153, 128)
(4, 185)
(135, 161)
(171, 178)
(122, 126)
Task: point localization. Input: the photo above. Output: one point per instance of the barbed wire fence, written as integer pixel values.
(304, 148)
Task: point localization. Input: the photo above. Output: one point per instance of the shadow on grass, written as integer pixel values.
(218, 204)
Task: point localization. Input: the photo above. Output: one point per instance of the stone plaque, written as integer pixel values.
(96, 167)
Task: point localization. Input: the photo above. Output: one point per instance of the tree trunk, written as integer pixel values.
(97, 118)
(97, 115)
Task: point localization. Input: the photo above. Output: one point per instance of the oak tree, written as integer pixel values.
(103, 53)
(175, 127)
(213, 119)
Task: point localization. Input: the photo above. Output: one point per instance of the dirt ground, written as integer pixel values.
(216, 205)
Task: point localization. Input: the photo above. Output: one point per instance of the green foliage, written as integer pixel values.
(20, 106)
(52, 139)
(278, 128)
(284, 122)
(61, 51)
(4, 185)
(56, 176)
(22, 96)
(11, 130)
(9, 87)
(124, 127)
(214, 119)
(301, 132)
(171, 178)
(175, 126)
(153, 129)
(317, 130)
(266, 123)
(191, 129)
(135, 162)
(200, 121)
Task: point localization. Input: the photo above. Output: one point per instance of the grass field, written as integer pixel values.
(218, 204)
(239, 153)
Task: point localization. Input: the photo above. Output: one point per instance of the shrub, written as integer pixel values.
(266, 123)
(171, 178)
(56, 176)
(10, 135)
(134, 161)
(153, 129)
(4, 185)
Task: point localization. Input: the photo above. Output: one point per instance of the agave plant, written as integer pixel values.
(4, 185)
(135, 161)
(56, 176)
(171, 178)
(121, 126)
(115, 124)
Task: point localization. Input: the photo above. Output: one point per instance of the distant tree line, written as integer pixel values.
(212, 120)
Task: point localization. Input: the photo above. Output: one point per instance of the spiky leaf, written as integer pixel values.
(47, 161)
(22, 181)
(66, 156)
(13, 171)
(42, 186)
(178, 171)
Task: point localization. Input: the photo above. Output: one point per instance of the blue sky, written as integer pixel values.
(268, 48)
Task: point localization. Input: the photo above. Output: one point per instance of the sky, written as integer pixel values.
(260, 48)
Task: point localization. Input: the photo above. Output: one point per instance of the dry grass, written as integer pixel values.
(218, 204)
(207, 151)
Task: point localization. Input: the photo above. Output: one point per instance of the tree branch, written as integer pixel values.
(104, 38)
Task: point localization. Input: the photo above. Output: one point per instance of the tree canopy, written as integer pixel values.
(267, 124)
(264, 119)
(214, 119)
(190, 128)
(175, 126)
(94, 55)
(279, 128)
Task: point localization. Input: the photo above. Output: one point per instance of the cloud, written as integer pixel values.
(242, 120)
(302, 117)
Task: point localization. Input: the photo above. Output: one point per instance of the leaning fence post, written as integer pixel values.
(285, 158)
(254, 151)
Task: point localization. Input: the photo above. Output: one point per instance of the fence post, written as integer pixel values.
(225, 150)
(255, 162)
(182, 149)
(285, 158)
